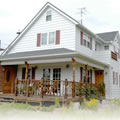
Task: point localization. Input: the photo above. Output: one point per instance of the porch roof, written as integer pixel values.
(38, 53)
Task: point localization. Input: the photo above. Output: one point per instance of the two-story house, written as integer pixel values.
(57, 48)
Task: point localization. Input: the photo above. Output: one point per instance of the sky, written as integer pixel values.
(101, 15)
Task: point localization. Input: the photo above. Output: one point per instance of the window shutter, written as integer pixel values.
(23, 73)
(38, 39)
(33, 73)
(113, 78)
(81, 75)
(57, 37)
(91, 43)
(81, 38)
(119, 80)
(119, 53)
(116, 78)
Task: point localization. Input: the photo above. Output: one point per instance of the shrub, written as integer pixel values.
(88, 92)
(57, 103)
(92, 104)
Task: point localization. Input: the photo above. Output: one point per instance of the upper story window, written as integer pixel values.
(48, 38)
(106, 47)
(48, 16)
(86, 40)
(44, 39)
(51, 37)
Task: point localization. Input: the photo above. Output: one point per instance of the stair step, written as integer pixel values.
(4, 100)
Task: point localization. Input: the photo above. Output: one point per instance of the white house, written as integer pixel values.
(57, 47)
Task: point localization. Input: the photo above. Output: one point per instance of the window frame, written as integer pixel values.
(54, 38)
(84, 76)
(42, 38)
(106, 47)
(48, 15)
(86, 40)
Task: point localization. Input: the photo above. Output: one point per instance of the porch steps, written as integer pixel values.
(6, 98)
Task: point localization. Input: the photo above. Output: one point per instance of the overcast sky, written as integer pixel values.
(101, 16)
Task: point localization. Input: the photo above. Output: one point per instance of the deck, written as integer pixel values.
(36, 99)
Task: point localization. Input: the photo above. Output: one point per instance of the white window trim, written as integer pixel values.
(41, 38)
(48, 38)
(48, 15)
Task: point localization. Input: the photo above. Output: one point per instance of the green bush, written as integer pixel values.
(57, 103)
(88, 92)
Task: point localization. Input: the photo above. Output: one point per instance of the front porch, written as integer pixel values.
(45, 82)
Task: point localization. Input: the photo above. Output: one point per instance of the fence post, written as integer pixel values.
(66, 84)
(16, 85)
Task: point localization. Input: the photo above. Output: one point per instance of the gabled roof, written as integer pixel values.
(108, 36)
(36, 17)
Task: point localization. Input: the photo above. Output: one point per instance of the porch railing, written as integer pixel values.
(43, 88)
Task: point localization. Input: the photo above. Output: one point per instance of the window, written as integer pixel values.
(57, 74)
(106, 47)
(86, 40)
(49, 16)
(51, 37)
(84, 76)
(46, 74)
(88, 44)
(44, 38)
(8, 76)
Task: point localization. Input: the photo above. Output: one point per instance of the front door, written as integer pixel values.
(99, 77)
(9, 78)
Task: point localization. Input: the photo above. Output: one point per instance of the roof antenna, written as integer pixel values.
(82, 11)
(18, 32)
(0, 46)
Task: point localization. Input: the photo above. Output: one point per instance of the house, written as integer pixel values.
(56, 50)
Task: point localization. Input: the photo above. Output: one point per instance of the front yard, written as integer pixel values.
(90, 110)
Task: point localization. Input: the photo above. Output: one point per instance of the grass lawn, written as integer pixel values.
(17, 111)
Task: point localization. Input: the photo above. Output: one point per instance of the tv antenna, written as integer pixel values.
(82, 11)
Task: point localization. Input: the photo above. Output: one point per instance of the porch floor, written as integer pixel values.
(37, 99)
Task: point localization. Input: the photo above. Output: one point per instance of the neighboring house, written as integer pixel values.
(56, 47)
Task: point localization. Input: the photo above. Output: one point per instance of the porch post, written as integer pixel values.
(86, 73)
(26, 77)
(91, 77)
(66, 83)
(73, 83)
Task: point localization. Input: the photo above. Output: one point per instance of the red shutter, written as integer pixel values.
(38, 39)
(113, 78)
(81, 76)
(119, 80)
(33, 73)
(57, 37)
(119, 53)
(116, 78)
(81, 38)
(91, 43)
(23, 73)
